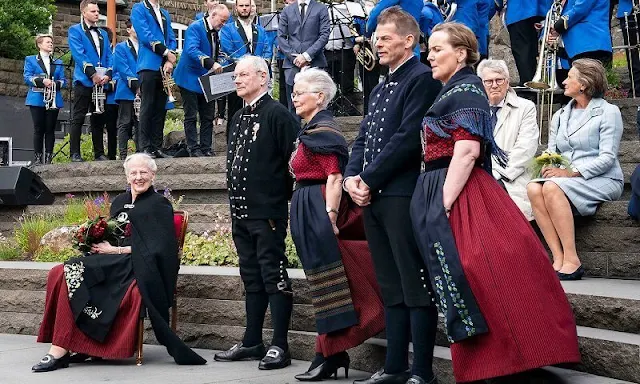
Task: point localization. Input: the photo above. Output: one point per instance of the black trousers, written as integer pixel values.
(99, 123)
(282, 87)
(152, 110)
(369, 80)
(221, 109)
(400, 270)
(524, 46)
(341, 65)
(127, 127)
(261, 250)
(633, 58)
(44, 125)
(235, 104)
(79, 109)
(194, 104)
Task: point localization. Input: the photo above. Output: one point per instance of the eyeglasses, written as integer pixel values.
(498, 82)
(295, 94)
(243, 75)
(143, 174)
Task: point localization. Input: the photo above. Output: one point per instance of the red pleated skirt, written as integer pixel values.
(366, 298)
(59, 328)
(530, 321)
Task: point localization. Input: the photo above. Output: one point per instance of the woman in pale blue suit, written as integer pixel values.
(587, 132)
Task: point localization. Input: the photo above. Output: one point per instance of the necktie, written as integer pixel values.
(302, 8)
(494, 116)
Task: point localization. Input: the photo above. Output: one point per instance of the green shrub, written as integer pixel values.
(173, 125)
(31, 230)
(20, 21)
(9, 252)
(86, 149)
(175, 114)
(47, 254)
(612, 78)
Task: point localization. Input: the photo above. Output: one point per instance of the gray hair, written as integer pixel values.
(498, 66)
(218, 8)
(320, 81)
(258, 64)
(142, 157)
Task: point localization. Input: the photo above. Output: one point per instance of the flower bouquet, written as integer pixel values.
(98, 230)
(548, 159)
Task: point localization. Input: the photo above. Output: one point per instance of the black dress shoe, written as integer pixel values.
(161, 155)
(195, 153)
(275, 358)
(48, 158)
(239, 353)
(381, 377)
(207, 153)
(327, 369)
(576, 275)
(150, 154)
(49, 363)
(76, 158)
(419, 380)
(101, 158)
(37, 159)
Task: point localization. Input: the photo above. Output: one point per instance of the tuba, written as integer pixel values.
(167, 84)
(98, 96)
(366, 55)
(50, 95)
(544, 80)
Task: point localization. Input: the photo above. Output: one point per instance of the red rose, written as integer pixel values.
(127, 230)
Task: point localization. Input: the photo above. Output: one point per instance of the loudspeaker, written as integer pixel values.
(21, 186)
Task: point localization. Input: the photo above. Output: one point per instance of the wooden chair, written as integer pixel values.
(180, 222)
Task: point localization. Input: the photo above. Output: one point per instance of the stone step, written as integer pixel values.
(619, 364)
(618, 265)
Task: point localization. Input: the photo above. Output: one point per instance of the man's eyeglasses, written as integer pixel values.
(296, 94)
(490, 82)
(243, 75)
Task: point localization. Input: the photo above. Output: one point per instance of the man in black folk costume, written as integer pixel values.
(381, 175)
(261, 138)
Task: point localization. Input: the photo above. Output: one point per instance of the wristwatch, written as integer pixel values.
(329, 210)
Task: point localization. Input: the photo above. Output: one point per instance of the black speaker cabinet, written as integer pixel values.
(21, 186)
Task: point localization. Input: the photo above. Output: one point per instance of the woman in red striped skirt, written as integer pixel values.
(504, 308)
(93, 303)
(329, 234)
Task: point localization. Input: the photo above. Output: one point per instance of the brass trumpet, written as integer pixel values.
(98, 96)
(167, 84)
(50, 95)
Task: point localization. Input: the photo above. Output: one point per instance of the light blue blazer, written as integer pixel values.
(592, 146)
(34, 73)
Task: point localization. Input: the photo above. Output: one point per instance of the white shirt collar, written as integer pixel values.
(254, 101)
(44, 55)
(501, 103)
(401, 64)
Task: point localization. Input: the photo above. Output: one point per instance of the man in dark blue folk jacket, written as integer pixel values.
(157, 42)
(381, 176)
(90, 49)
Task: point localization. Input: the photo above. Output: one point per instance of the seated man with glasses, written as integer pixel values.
(515, 131)
(261, 137)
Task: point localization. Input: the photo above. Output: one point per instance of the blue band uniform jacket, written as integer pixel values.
(154, 40)
(125, 68)
(35, 72)
(86, 55)
(234, 42)
(200, 53)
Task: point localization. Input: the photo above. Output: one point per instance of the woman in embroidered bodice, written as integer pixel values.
(328, 232)
(587, 132)
(505, 311)
(93, 302)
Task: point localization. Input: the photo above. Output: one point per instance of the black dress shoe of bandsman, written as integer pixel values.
(576, 275)
(239, 352)
(381, 377)
(76, 158)
(275, 358)
(151, 154)
(207, 153)
(195, 153)
(419, 380)
(102, 158)
(49, 363)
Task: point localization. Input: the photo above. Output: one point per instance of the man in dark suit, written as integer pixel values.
(302, 34)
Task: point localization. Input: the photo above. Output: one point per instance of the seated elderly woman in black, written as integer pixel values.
(93, 303)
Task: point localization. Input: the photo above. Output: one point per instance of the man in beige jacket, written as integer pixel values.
(515, 131)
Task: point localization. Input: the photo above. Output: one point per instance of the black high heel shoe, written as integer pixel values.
(49, 363)
(328, 368)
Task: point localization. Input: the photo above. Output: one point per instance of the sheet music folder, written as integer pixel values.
(216, 86)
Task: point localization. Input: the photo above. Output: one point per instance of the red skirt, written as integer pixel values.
(365, 295)
(530, 321)
(59, 328)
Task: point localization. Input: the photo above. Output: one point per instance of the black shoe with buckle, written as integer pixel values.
(241, 353)
(381, 377)
(49, 363)
(419, 380)
(276, 358)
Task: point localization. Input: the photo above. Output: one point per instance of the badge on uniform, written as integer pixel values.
(255, 129)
